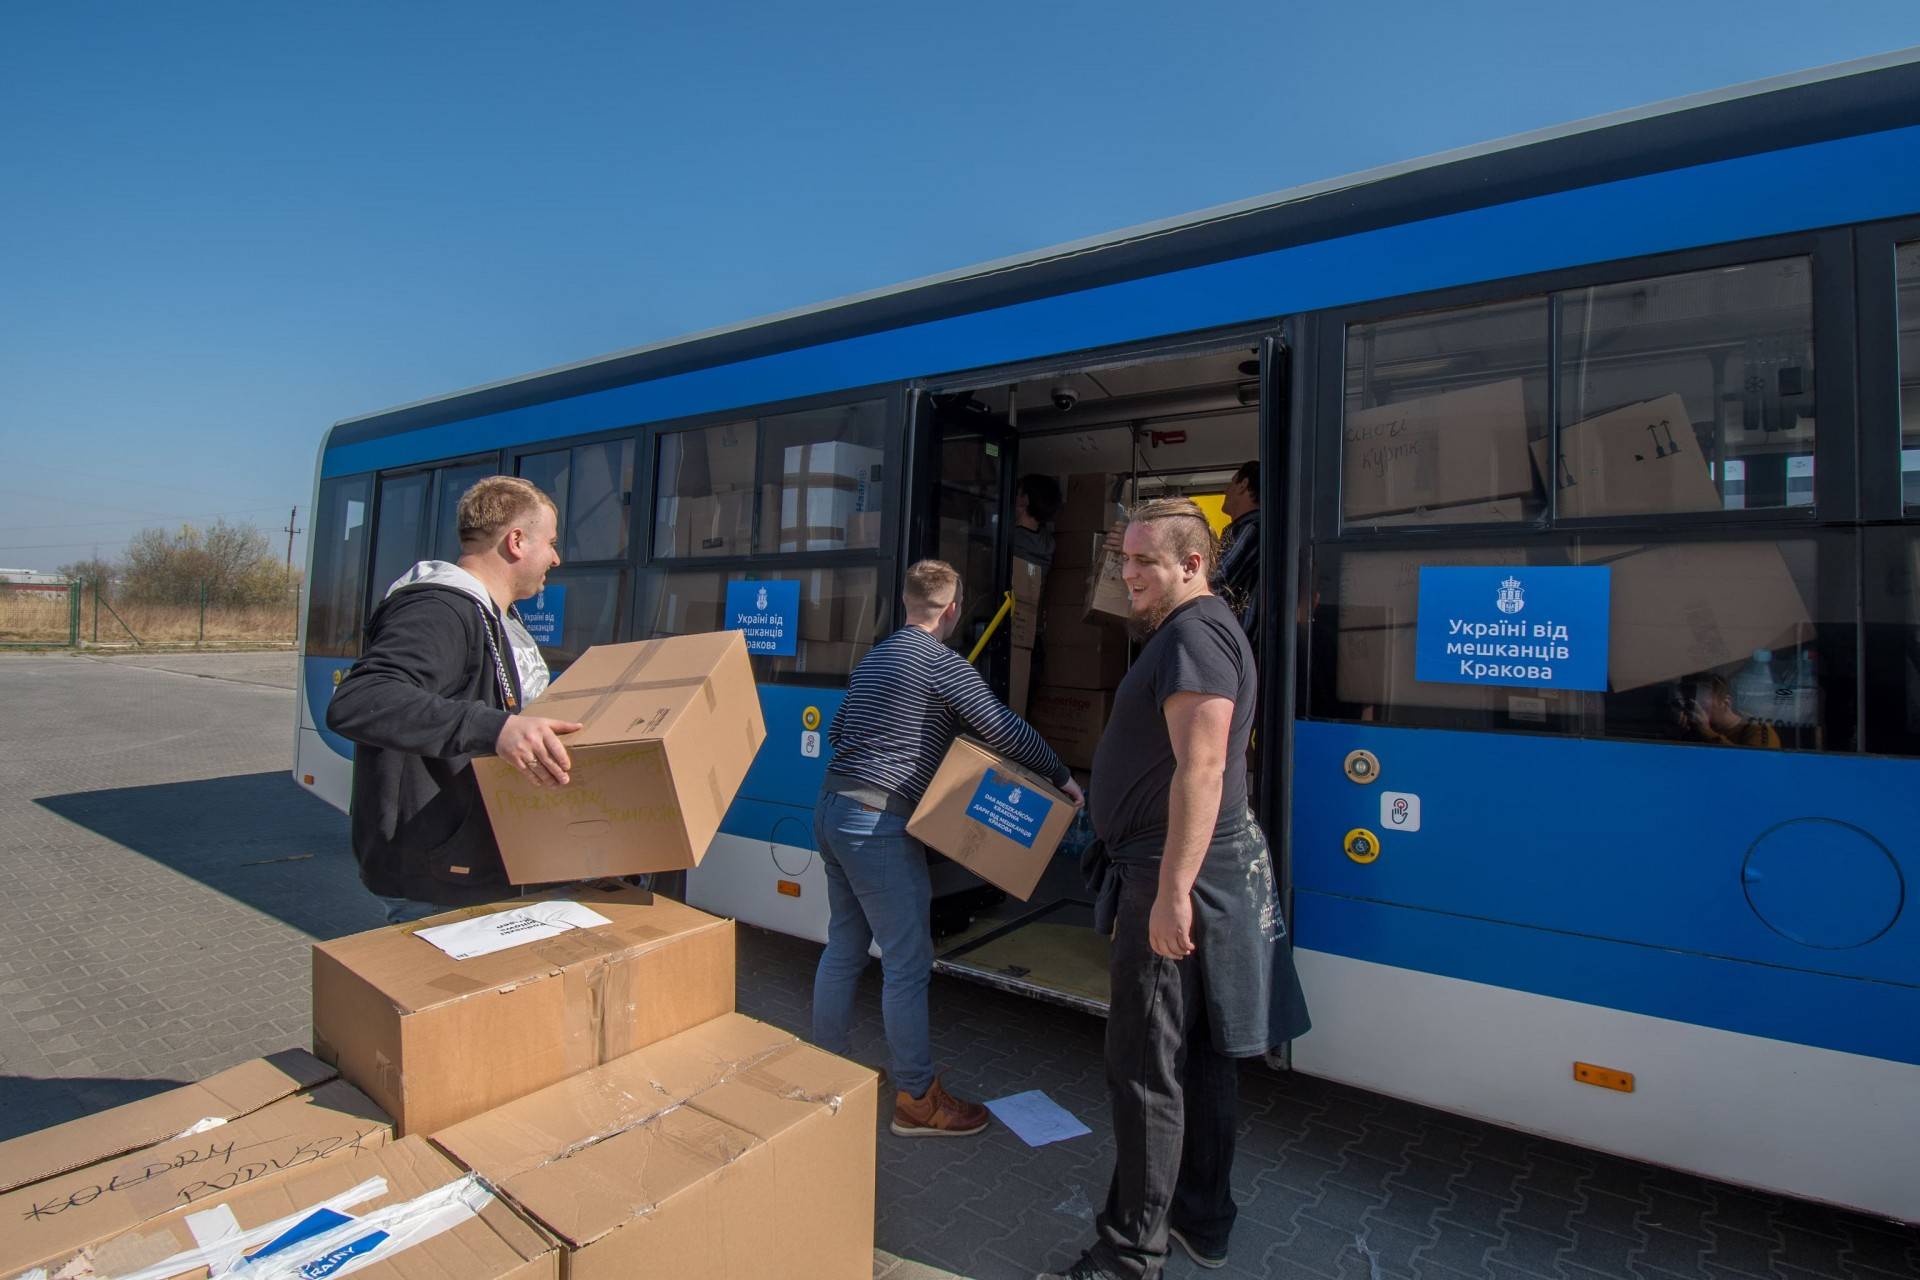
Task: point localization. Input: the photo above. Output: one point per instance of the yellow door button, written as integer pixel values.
(1362, 766)
(810, 718)
(1362, 845)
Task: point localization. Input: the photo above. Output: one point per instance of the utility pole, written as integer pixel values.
(290, 531)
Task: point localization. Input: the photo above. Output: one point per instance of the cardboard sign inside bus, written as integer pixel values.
(1642, 460)
(1437, 451)
(992, 817)
(670, 729)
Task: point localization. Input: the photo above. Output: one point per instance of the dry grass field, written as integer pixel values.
(41, 618)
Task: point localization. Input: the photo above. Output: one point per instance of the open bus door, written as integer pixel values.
(1178, 441)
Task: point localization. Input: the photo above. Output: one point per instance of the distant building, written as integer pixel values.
(33, 580)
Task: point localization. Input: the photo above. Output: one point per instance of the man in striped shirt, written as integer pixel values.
(905, 701)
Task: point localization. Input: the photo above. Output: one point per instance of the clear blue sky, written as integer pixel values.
(223, 227)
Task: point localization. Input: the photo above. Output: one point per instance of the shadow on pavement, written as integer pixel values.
(257, 837)
(28, 1104)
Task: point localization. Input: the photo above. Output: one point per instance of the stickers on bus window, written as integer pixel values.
(1531, 626)
(545, 615)
(769, 613)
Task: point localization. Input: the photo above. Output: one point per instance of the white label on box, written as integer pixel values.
(534, 923)
(810, 743)
(1399, 811)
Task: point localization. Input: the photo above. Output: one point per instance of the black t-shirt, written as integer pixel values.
(1199, 648)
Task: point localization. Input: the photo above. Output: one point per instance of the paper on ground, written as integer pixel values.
(536, 922)
(1036, 1119)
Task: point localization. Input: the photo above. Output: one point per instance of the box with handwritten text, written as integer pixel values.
(455, 1014)
(76, 1199)
(669, 729)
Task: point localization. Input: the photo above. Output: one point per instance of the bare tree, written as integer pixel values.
(233, 564)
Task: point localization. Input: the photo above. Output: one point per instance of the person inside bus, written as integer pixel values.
(1200, 969)
(905, 701)
(1237, 580)
(1706, 710)
(1036, 501)
(446, 668)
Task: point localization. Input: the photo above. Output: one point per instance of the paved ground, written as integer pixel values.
(166, 878)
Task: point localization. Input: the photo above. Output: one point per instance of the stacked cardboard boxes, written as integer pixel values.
(708, 492)
(1082, 642)
(821, 491)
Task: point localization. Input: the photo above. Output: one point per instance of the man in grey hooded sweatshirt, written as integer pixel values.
(447, 668)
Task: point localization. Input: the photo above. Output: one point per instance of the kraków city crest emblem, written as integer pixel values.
(1511, 599)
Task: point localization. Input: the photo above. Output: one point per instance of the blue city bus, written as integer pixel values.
(1591, 469)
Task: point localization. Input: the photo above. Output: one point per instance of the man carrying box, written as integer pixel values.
(905, 701)
(1200, 971)
(446, 666)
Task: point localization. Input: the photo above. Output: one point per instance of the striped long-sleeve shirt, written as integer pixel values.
(905, 702)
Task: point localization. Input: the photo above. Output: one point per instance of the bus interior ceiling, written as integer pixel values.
(1108, 436)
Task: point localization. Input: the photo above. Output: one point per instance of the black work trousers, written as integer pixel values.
(1176, 1102)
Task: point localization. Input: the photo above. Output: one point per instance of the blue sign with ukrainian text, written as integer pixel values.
(1532, 626)
(769, 613)
(1010, 806)
(545, 615)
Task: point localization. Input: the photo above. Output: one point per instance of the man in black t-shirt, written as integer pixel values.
(1200, 970)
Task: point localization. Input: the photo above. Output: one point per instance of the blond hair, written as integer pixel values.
(931, 586)
(491, 507)
(1184, 526)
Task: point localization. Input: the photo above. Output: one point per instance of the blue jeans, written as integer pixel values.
(878, 890)
(407, 910)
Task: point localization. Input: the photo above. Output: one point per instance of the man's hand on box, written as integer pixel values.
(531, 744)
(1075, 794)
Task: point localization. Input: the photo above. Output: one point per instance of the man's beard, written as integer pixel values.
(1142, 624)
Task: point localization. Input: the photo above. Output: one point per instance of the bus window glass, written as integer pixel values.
(1891, 714)
(1440, 412)
(838, 616)
(339, 569)
(1716, 643)
(1907, 261)
(403, 513)
(823, 486)
(1687, 393)
(588, 613)
(453, 485)
(599, 497)
(547, 472)
(705, 495)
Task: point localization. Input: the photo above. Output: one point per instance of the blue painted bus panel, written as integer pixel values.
(1878, 1019)
(318, 676)
(1796, 189)
(782, 773)
(1792, 860)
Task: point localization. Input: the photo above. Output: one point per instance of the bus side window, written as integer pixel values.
(1440, 409)
(1687, 393)
(1907, 278)
(339, 569)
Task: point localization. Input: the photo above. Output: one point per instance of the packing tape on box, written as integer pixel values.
(291, 1248)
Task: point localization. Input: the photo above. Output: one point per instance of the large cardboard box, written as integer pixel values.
(719, 524)
(730, 456)
(403, 1208)
(1457, 447)
(863, 530)
(1107, 596)
(436, 1039)
(1019, 680)
(732, 1149)
(1029, 581)
(1379, 599)
(822, 487)
(1688, 608)
(1071, 720)
(76, 1191)
(1638, 461)
(1068, 660)
(1088, 504)
(670, 728)
(993, 817)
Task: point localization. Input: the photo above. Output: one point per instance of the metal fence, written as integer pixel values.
(86, 614)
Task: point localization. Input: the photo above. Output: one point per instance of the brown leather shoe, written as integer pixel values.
(937, 1115)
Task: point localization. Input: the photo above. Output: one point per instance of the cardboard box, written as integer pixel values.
(1107, 596)
(690, 604)
(822, 487)
(1437, 451)
(1074, 551)
(1071, 720)
(1029, 580)
(1088, 504)
(718, 524)
(1019, 679)
(863, 530)
(1378, 607)
(1636, 461)
(435, 1040)
(860, 609)
(403, 1207)
(993, 817)
(1074, 664)
(731, 450)
(732, 1149)
(671, 728)
(1688, 608)
(67, 1202)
